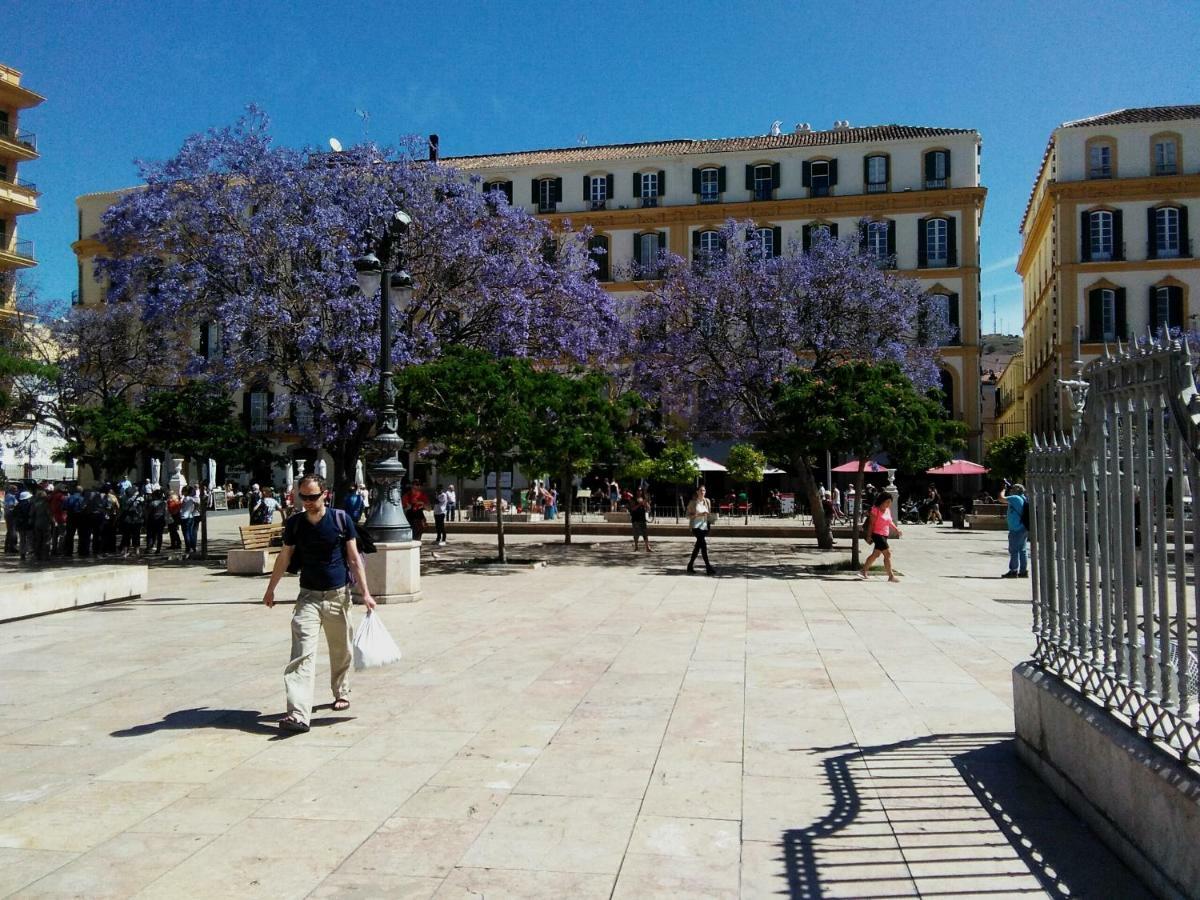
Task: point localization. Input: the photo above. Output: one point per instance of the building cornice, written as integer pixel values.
(1154, 187)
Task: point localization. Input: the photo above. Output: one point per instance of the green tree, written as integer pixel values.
(576, 421)
(745, 465)
(863, 409)
(197, 419)
(676, 465)
(107, 437)
(477, 408)
(1006, 456)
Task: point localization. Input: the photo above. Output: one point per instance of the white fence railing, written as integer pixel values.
(1114, 570)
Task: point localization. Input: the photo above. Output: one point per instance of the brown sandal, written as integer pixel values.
(291, 723)
(341, 703)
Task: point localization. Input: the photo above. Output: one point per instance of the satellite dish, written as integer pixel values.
(335, 145)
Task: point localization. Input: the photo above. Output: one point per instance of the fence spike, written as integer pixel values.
(1107, 351)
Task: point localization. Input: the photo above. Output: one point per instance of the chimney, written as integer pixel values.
(433, 148)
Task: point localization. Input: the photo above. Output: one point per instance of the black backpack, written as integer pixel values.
(156, 512)
(23, 515)
(1025, 514)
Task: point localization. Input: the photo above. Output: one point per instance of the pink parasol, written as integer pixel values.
(958, 467)
(852, 466)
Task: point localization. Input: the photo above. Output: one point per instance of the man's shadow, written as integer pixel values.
(250, 721)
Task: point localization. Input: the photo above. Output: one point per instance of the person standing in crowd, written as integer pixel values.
(699, 511)
(22, 522)
(881, 527)
(174, 522)
(614, 496)
(43, 525)
(639, 517)
(123, 485)
(252, 498)
(353, 505)
(91, 523)
(440, 502)
(552, 503)
(451, 503)
(112, 510)
(133, 516)
(12, 494)
(58, 516)
(156, 521)
(189, 517)
(326, 545)
(264, 512)
(932, 506)
(73, 509)
(414, 502)
(1017, 519)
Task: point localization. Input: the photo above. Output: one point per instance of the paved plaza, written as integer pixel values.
(606, 726)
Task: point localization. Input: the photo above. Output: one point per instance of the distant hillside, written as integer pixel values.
(995, 350)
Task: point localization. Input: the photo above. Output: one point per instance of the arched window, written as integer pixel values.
(598, 251)
(764, 181)
(764, 242)
(710, 184)
(1100, 235)
(1165, 224)
(1164, 153)
(820, 177)
(1101, 157)
(710, 245)
(875, 173)
(936, 243)
(879, 240)
(937, 169)
(1106, 313)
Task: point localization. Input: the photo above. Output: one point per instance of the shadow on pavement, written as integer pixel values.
(248, 720)
(957, 814)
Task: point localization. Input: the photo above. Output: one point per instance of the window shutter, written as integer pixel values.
(1153, 303)
(832, 172)
(1151, 236)
(721, 180)
(951, 241)
(696, 244)
(1184, 249)
(270, 408)
(955, 325)
(947, 154)
(246, 410)
(662, 183)
(1121, 321)
(508, 190)
(587, 188)
(776, 180)
(558, 190)
(662, 241)
(1175, 294)
(806, 237)
(922, 243)
(1118, 236)
(637, 185)
(887, 169)
(1085, 236)
(862, 236)
(806, 174)
(695, 181)
(637, 249)
(930, 165)
(204, 339)
(833, 231)
(776, 240)
(866, 170)
(749, 178)
(608, 181)
(536, 182)
(891, 241)
(1095, 331)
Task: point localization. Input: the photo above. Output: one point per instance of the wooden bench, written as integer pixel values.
(260, 545)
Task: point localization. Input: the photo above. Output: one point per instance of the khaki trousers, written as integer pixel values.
(316, 611)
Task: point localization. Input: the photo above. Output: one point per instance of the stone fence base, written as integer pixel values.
(1140, 800)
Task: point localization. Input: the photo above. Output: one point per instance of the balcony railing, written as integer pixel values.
(764, 193)
(19, 185)
(10, 132)
(547, 207)
(23, 249)
(818, 190)
(1181, 250)
(648, 202)
(1108, 254)
(598, 204)
(1166, 169)
(877, 187)
(1100, 172)
(935, 184)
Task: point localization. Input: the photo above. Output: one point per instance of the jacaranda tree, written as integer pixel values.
(716, 333)
(260, 240)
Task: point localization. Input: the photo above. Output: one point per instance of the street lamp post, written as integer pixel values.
(381, 271)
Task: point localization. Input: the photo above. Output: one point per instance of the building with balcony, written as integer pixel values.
(1106, 245)
(915, 191)
(18, 195)
(1010, 398)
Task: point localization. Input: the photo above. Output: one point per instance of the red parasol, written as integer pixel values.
(852, 466)
(958, 467)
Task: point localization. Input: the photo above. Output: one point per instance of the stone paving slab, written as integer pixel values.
(606, 726)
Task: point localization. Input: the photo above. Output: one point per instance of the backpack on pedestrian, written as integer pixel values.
(1025, 514)
(23, 515)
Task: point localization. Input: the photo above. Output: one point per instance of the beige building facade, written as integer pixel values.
(18, 195)
(1106, 244)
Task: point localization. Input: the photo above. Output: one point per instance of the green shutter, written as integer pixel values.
(776, 241)
(866, 171)
(806, 238)
(947, 153)
(750, 178)
(832, 172)
(558, 190)
(1185, 248)
(1095, 316)
(930, 165)
(637, 185)
(922, 243)
(662, 241)
(891, 241)
(587, 189)
(1153, 310)
(833, 231)
(608, 181)
(951, 241)
(1118, 235)
(1122, 324)
(662, 183)
(806, 174)
(955, 325)
(1151, 234)
(637, 249)
(1175, 294)
(721, 180)
(1085, 236)
(695, 181)
(776, 179)
(534, 191)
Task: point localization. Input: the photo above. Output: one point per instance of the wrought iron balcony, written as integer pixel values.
(1100, 172)
(21, 249)
(1166, 169)
(598, 204)
(764, 192)
(818, 190)
(10, 132)
(27, 186)
(936, 184)
(1181, 250)
(648, 202)
(877, 187)
(1109, 254)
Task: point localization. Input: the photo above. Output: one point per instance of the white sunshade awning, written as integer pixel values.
(771, 470)
(704, 464)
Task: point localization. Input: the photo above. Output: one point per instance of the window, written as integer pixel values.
(546, 200)
(710, 186)
(945, 307)
(707, 247)
(650, 190)
(1166, 233)
(1166, 152)
(646, 252)
(1100, 161)
(258, 411)
(1101, 235)
(649, 252)
(505, 187)
(1166, 307)
(597, 190)
(1106, 314)
(1162, 305)
(302, 417)
(937, 169)
(877, 240)
(876, 174)
(598, 251)
(819, 179)
(936, 245)
(764, 183)
(765, 242)
(815, 233)
(210, 340)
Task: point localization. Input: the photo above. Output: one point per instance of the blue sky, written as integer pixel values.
(127, 80)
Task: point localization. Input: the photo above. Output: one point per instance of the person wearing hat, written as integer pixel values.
(1018, 530)
(22, 520)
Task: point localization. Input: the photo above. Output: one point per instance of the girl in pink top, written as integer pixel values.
(880, 527)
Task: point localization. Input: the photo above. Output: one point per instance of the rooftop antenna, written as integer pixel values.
(366, 120)
(994, 331)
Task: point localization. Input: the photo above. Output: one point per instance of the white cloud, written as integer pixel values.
(1007, 263)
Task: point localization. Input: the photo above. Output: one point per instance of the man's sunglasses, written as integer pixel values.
(310, 496)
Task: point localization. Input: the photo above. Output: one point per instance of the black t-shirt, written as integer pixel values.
(323, 564)
(637, 513)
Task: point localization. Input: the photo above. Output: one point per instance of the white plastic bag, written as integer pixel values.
(373, 646)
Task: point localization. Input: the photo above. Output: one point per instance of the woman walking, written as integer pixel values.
(189, 516)
(698, 512)
(880, 527)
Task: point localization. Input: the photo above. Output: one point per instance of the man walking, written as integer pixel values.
(325, 544)
(440, 502)
(1018, 530)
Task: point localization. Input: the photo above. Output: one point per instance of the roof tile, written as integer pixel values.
(1135, 115)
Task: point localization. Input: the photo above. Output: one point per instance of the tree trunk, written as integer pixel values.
(568, 480)
(499, 517)
(344, 452)
(860, 480)
(809, 485)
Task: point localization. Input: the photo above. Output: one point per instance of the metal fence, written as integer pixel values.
(1114, 570)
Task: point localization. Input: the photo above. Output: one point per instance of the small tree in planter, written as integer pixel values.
(745, 465)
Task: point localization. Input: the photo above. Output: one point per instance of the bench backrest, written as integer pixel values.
(259, 537)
